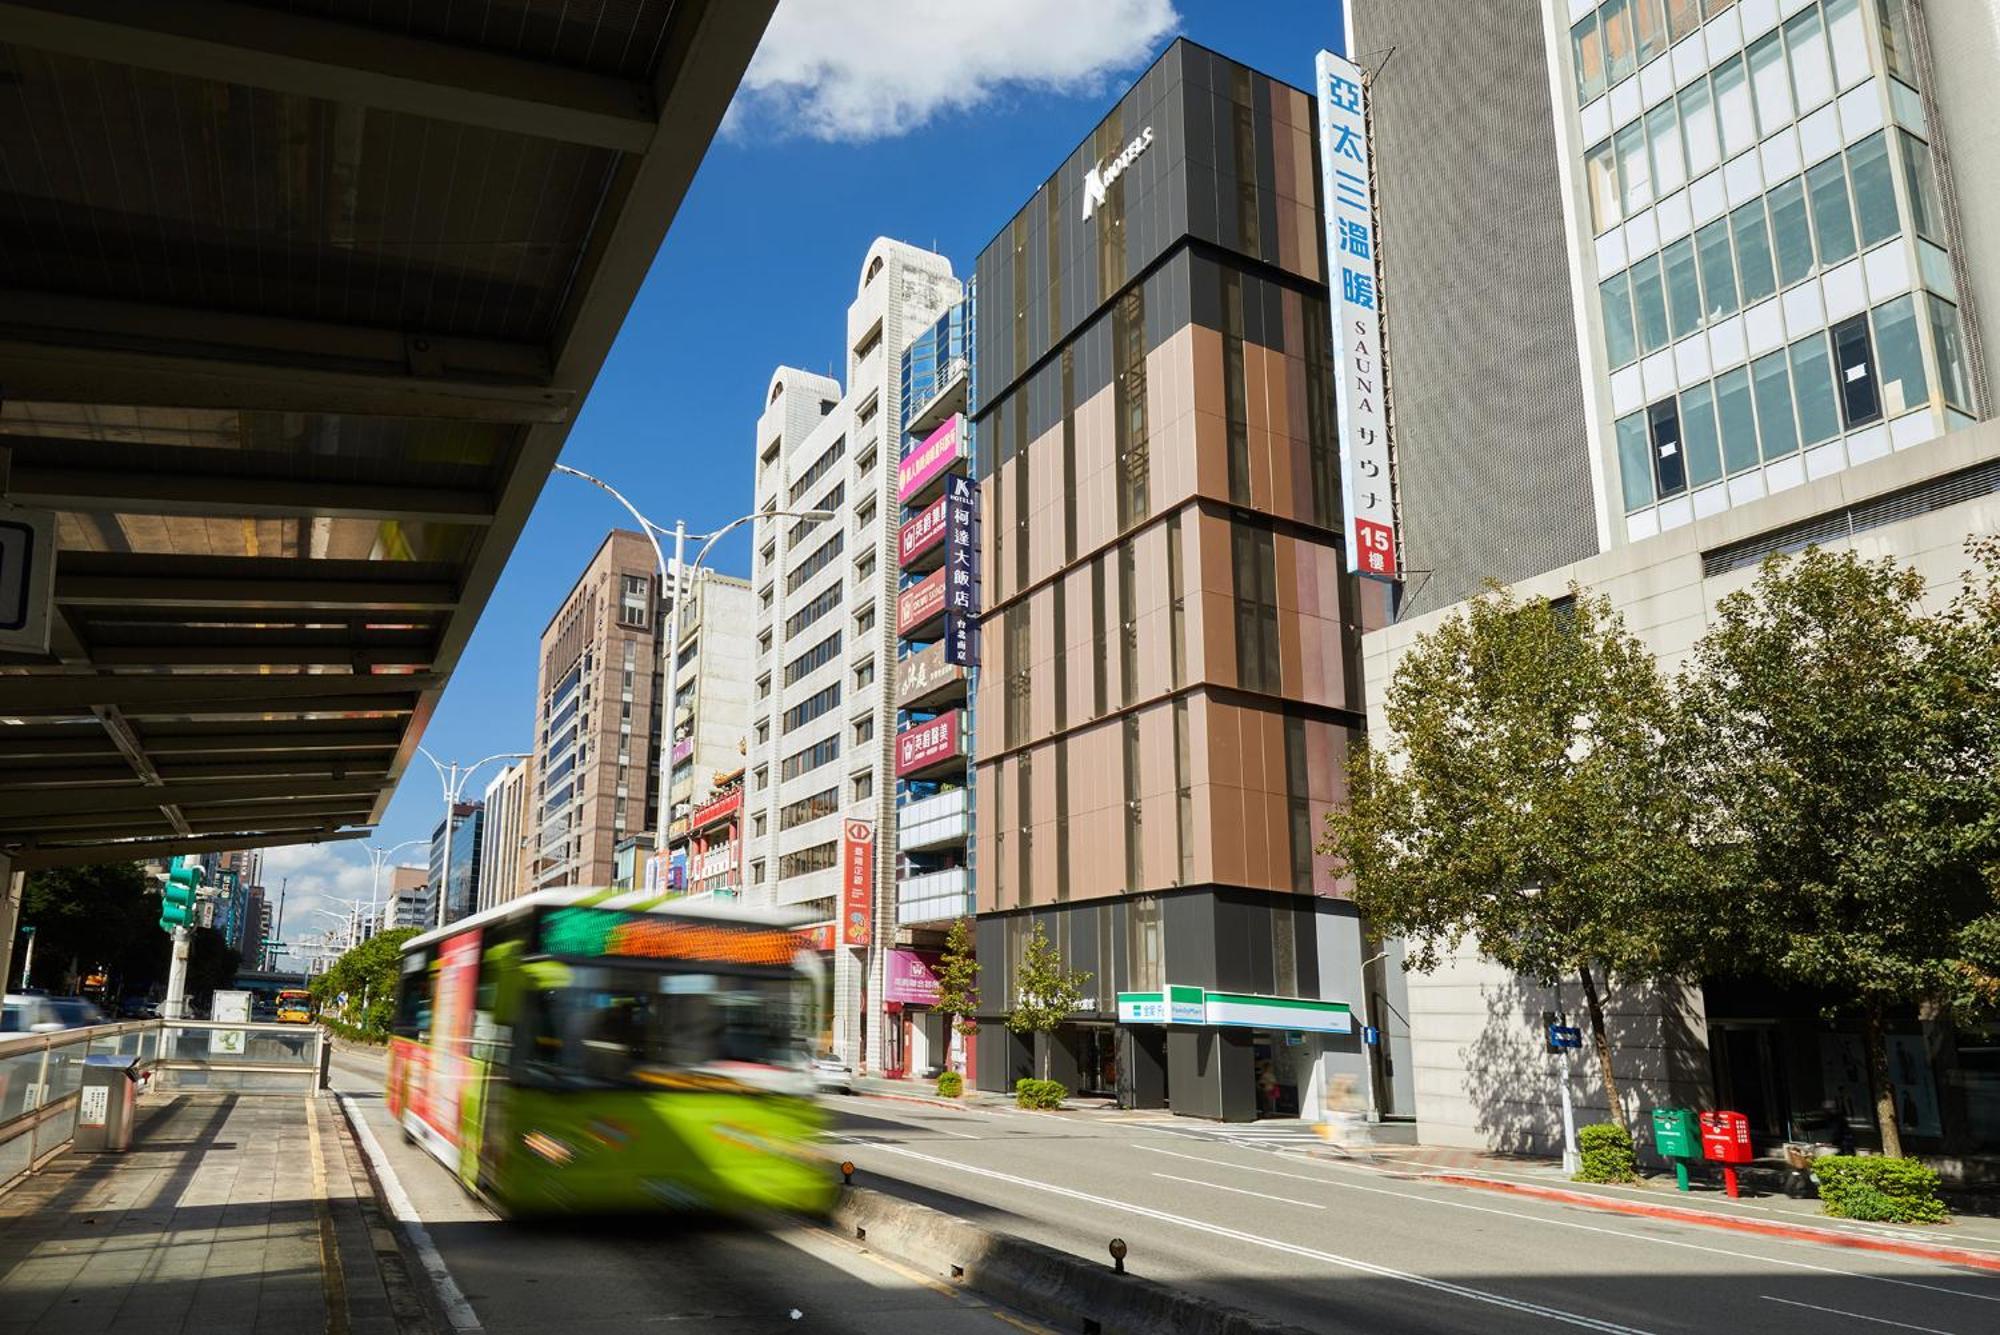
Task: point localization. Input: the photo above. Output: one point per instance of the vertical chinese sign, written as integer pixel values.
(961, 569)
(1354, 283)
(857, 882)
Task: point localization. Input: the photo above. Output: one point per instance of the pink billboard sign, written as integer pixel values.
(924, 464)
(922, 533)
(910, 976)
(920, 603)
(927, 743)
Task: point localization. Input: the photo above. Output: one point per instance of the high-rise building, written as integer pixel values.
(1781, 245)
(936, 617)
(460, 881)
(821, 796)
(712, 707)
(413, 903)
(503, 843)
(1169, 671)
(597, 719)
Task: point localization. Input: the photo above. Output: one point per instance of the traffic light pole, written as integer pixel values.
(175, 1006)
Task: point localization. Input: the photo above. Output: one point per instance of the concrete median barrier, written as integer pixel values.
(1072, 1292)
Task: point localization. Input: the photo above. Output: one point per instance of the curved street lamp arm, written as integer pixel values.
(646, 526)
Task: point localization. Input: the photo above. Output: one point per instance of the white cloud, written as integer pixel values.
(872, 69)
(318, 877)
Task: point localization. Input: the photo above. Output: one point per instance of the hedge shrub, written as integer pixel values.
(1039, 1093)
(950, 1084)
(1606, 1152)
(1902, 1191)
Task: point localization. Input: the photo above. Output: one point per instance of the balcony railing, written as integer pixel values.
(937, 896)
(932, 822)
(947, 396)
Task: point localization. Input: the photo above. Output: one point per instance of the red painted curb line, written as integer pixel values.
(1679, 1214)
(910, 1098)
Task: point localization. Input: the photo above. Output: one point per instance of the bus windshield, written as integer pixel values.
(618, 1028)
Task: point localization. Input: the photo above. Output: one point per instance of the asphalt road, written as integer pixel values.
(614, 1278)
(1347, 1248)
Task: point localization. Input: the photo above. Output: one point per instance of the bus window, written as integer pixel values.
(413, 1002)
(612, 1027)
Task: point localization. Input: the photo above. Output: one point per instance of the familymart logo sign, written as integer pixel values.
(1099, 178)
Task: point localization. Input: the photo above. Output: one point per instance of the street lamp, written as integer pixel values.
(377, 859)
(681, 573)
(454, 781)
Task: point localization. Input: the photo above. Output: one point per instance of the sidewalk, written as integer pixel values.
(232, 1215)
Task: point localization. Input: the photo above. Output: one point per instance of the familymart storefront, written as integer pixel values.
(1277, 1046)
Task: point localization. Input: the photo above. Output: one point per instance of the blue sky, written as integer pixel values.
(855, 123)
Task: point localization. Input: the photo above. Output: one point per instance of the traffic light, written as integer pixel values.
(177, 895)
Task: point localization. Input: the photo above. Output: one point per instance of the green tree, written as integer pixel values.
(212, 963)
(958, 976)
(1525, 799)
(1841, 740)
(359, 988)
(93, 917)
(1045, 992)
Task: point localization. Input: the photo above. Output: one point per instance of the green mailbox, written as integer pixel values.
(1677, 1138)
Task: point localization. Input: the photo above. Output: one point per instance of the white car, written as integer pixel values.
(831, 1075)
(36, 1014)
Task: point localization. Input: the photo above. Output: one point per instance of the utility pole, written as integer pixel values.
(28, 960)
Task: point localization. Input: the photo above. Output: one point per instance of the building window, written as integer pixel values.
(1059, 655)
(757, 872)
(820, 468)
(1683, 287)
(1699, 440)
(1649, 298)
(1812, 68)
(1735, 107)
(864, 676)
(1669, 463)
(1619, 58)
(1634, 175)
(1663, 131)
(1586, 58)
(815, 563)
(1812, 387)
(1016, 674)
(1833, 216)
(864, 730)
(1901, 357)
(1771, 82)
(1099, 668)
(810, 708)
(1920, 182)
(1791, 233)
(1737, 420)
(1176, 604)
(1128, 622)
(863, 785)
(808, 809)
(1601, 170)
(1023, 504)
(1128, 342)
(1068, 441)
(1235, 410)
(1718, 273)
(1771, 384)
(1854, 366)
(864, 567)
(1635, 470)
(1183, 793)
(1257, 663)
(1024, 844)
(1145, 954)
(764, 687)
(763, 731)
(812, 659)
(864, 620)
(1135, 862)
(1874, 189)
(760, 824)
(1753, 251)
(633, 598)
(807, 860)
(1949, 339)
(1621, 335)
(1062, 819)
(804, 762)
(1298, 808)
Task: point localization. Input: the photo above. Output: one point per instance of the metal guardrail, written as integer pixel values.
(41, 1073)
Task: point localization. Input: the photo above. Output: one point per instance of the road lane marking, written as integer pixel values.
(1648, 1239)
(1217, 1186)
(456, 1309)
(1856, 1316)
(1330, 1258)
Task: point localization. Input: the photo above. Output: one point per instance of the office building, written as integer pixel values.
(821, 796)
(597, 724)
(1781, 236)
(936, 614)
(413, 903)
(460, 876)
(712, 704)
(504, 841)
(1168, 647)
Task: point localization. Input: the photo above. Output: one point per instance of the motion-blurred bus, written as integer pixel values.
(596, 1051)
(294, 1006)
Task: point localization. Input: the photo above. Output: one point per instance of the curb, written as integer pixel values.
(1682, 1214)
(1029, 1277)
(911, 1098)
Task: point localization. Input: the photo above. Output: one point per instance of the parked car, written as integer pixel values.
(831, 1075)
(28, 1014)
(138, 1008)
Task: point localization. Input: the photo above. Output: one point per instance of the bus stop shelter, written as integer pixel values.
(298, 302)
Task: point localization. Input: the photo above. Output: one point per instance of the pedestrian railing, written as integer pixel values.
(40, 1074)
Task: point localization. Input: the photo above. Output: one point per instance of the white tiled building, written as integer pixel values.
(823, 715)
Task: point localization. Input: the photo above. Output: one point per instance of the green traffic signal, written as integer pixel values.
(178, 894)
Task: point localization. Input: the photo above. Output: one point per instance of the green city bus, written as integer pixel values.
(598, 1050)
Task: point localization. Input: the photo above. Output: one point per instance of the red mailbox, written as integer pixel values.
(1725, 1137)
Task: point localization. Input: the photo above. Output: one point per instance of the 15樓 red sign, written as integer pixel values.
(857, 881)
(923, 532)
(921, 602)
(926, 744)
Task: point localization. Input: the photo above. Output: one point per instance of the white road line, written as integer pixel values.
(1217, 1186)
(456, 1309)
(1856, 1316)
(1330, 1258)
(1648, 1239)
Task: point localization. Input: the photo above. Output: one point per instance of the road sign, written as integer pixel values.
(27, 577)
(1371, 1035)
(1564, 1036)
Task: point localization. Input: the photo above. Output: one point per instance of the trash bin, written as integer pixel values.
(105, 1102)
